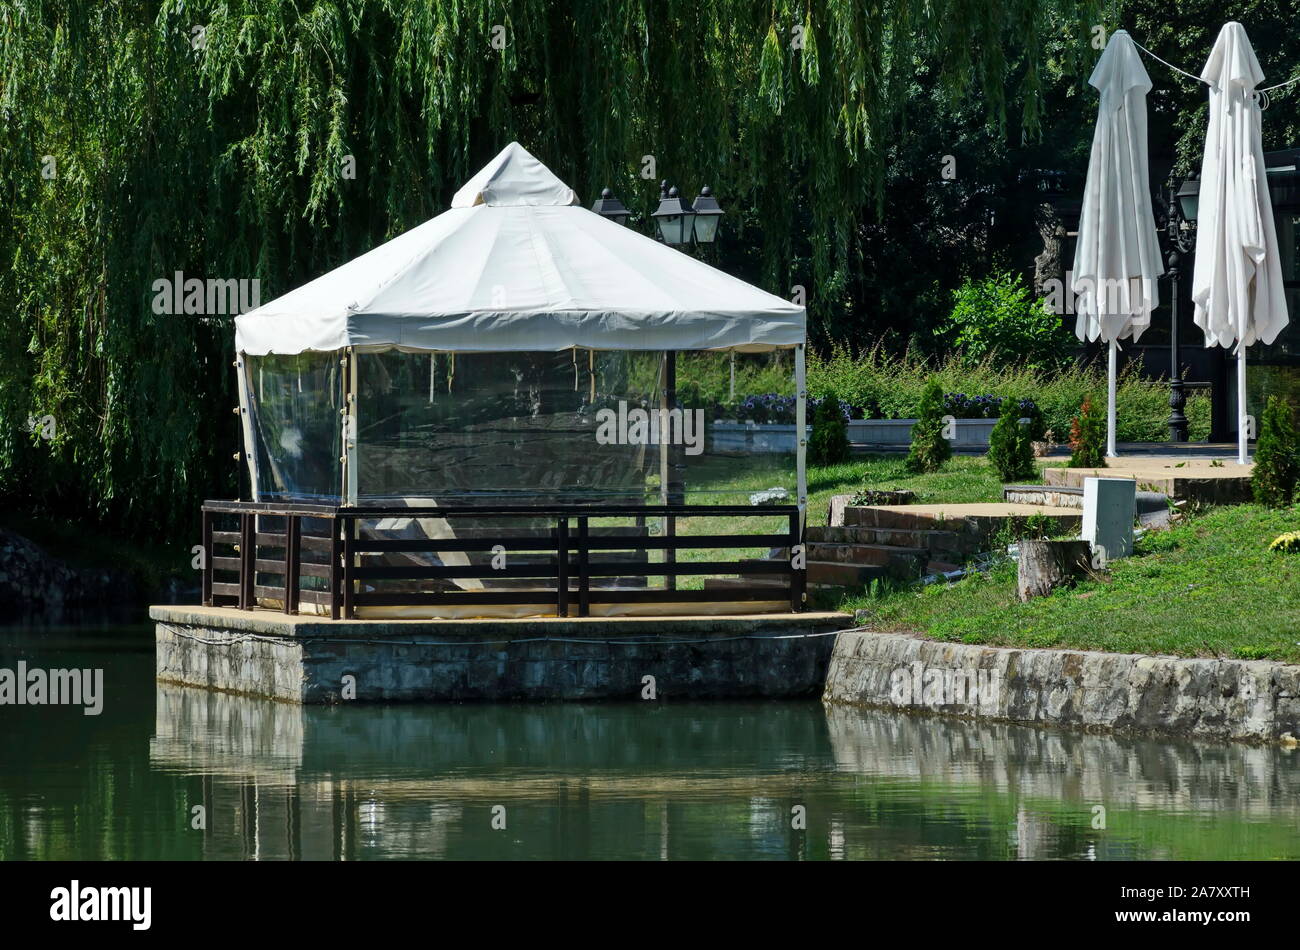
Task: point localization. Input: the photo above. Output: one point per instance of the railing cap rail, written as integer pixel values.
(392, 511)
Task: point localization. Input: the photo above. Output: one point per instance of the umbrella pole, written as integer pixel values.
(1110, 399)
(1242, 430)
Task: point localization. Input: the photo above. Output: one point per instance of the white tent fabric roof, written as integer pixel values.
(516, 265)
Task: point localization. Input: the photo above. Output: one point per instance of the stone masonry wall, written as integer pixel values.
(690, 658)
(1250, 700)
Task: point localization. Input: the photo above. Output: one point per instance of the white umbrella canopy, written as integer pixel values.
(515, 264)
(1117, 256)
(1237, 285)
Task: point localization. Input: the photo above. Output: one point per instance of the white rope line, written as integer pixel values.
(1170, 65)
(1294, 79)
(1261, 95)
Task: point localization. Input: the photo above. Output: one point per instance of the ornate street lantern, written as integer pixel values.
(608, 206)
(674, 218)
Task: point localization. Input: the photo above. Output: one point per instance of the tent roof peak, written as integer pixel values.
(514, 177)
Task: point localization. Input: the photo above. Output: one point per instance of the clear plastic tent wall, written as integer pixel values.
(535, 428)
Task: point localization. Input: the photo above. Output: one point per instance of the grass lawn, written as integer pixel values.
(1208, 587)
(964, 479)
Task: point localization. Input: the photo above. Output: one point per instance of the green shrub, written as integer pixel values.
(1088, 438)
(1011, 450)
(1277, 456)
(930, 449)
(891, 385)
(829, 444)
(997, 318)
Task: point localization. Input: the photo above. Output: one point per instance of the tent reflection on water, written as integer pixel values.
(471, 361)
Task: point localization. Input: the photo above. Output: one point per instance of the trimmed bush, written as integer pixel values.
(929, 448)
(1011, 449)
(1088, 438)
(888, 386)
(829, 444)
(1277, 456)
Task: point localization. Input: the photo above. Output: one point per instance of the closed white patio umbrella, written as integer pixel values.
(1117, 257)
(1237, 286)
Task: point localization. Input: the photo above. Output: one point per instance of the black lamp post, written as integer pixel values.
(1180, 229)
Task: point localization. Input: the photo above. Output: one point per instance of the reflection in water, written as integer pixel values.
(631, 780)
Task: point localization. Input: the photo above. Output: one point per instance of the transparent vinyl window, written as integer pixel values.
(505, 428)
(573, 427)
(294, 404)
(746, 402)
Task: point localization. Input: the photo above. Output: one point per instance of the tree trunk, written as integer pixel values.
(1047, 565)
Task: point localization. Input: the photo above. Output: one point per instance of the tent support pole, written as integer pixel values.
(1111, 373)
(1243, 431)
(801, 439)
(350, 427)
(246, 424)
(669, 472)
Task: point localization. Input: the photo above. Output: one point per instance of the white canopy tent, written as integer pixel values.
(1117, 256)
(1237, 288)
(517, 266)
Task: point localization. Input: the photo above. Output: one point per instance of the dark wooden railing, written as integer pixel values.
(288, 543)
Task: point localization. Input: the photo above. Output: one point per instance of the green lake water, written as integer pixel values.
(623, 781)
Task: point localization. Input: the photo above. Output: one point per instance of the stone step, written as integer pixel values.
(980, 520)
(1070, 496)
(884, 555)
(1050, 495)
(837, 574)
(930, 539)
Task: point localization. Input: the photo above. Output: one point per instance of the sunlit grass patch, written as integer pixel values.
(1209, 587)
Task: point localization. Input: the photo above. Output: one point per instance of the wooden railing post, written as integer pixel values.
(207, 558)
(562, 579)
(670, 553)
(336, 569)
(584, 580)
(292, 562)
(798, 576)
(247, 560)
(349, 528)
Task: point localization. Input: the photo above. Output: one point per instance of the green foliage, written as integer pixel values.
(996, 319)
(1277, 456)
(929, 449)
(829, 444)
(1088, 437)
(704, 379)
(225, 159)
(1010, 447)
(892, 383)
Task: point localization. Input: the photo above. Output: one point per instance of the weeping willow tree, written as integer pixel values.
(273, 139)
